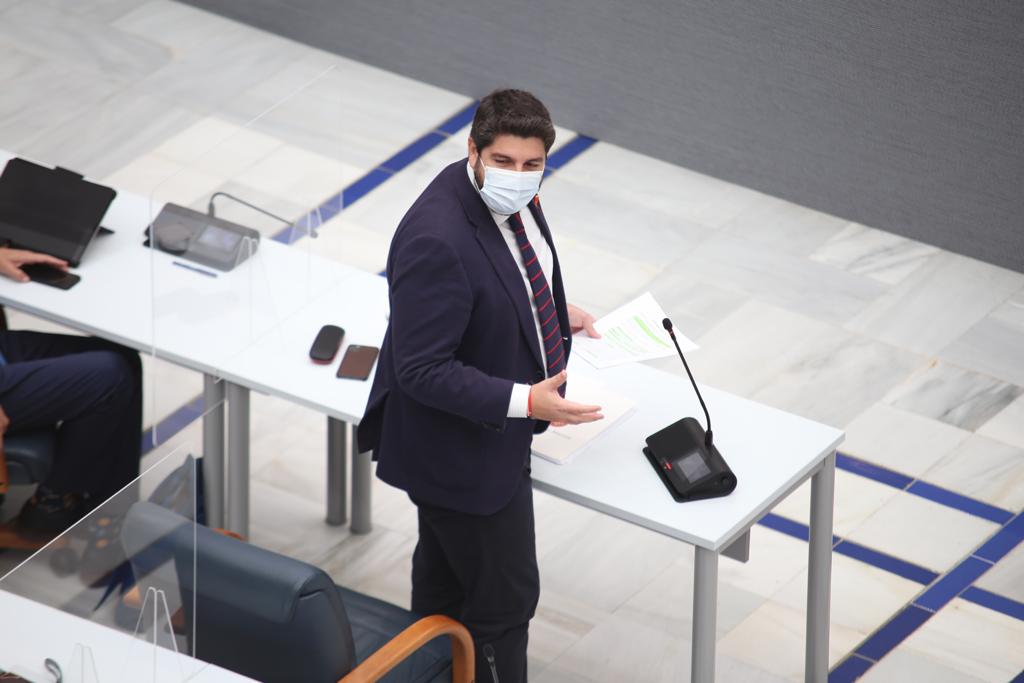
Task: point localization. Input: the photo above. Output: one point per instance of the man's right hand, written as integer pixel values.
(548, 405)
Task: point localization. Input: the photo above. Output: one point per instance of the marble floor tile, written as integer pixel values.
(298, 175)
(110, 133)
(778, 278)
(1007, 425)
(877, 254)
(40, 95)
(937, 303)
(585, 272)
(674, 190)
(619, 224)
(797, 363)
(923, 532)
(993, 346)
(599, 566)
(666, 603)
(163, 180)
(856, 499)
(1006, 578)
(863, 597)
(775, 559)
(785, 226)
(773, 640)
(101, 10)
(984, 469)
(971, 639)
(900, 440)
(216, 146)
(558, 624)
(902, 665)
(352, 244)
(956, 396)
(81, 43)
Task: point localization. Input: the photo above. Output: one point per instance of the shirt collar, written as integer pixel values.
(499, 218)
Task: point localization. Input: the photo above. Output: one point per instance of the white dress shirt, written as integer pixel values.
(519, 402)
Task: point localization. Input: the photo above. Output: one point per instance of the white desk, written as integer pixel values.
(31, 632)
(770, 451)
(139, 298)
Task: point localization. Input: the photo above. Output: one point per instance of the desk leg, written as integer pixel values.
(238, 459)
(213, 450)
(819, 575)
(337, 471)
(705, 609)
(362, 486)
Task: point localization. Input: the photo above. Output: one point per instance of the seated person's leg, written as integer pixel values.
(96, 395)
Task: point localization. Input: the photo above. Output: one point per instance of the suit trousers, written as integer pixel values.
(481, 570)
(93, 389)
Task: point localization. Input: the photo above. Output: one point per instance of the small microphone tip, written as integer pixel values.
(667, 324)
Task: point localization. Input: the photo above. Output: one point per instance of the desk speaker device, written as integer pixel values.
(684, 454)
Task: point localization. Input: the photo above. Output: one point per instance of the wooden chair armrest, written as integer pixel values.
(413, 638)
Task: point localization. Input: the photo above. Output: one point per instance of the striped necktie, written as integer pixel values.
(550, 331)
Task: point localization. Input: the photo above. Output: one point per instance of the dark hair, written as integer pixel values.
(511, 112)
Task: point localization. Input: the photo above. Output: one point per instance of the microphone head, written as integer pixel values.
(667, 324)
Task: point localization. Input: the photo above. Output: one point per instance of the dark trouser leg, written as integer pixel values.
(494, 558)
(435, 588)
(94, 388)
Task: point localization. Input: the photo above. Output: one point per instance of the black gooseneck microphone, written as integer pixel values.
(489, 654)
(709, 438)
(685, 456)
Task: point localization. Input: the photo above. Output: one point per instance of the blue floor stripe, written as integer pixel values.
(173, 423)
(850, 669)
(952, 584)
(922, 489)
(413, 152)
(786, 526)
(993, 601)
(960, 502)
(895, 631)
(1005, 540)
(893, 565)
(872, 471)
(460, 120)
(567, 152)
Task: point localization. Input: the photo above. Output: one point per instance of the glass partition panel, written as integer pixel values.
(112, 597)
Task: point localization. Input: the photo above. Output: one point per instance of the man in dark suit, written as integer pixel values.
(472, 366)
(90, 391)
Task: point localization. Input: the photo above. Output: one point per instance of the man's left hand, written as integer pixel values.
(581, 320)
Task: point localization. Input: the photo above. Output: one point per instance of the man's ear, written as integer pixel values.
(472, 151)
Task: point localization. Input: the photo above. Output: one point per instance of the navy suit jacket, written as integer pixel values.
(461, 332)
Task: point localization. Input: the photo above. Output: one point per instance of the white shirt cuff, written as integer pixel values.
(519, 402)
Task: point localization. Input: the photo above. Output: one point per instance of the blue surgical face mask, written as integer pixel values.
(506, 192)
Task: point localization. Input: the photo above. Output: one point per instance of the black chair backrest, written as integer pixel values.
(258, 613)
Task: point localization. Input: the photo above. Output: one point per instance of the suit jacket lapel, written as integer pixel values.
(501, 259)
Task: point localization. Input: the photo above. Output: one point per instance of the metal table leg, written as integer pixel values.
(337, 471)
(238, 459)
(819, 576)
(362, 486)
(705, 612)
(213, 450)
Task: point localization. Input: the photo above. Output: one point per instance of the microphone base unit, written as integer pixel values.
(686, 465)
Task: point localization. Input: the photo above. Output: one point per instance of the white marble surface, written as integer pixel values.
(877, 254)
(907, 347)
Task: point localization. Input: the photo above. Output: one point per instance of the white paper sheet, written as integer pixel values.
(561, 444)
(630, 333)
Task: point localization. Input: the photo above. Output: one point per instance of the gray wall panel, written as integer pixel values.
(904, 116)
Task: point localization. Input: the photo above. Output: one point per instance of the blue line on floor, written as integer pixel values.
(173, 423)
(936, 494)
(333, 205)
(958, 582)
(567, 152)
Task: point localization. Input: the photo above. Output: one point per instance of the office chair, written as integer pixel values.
(29, 457)
(274, 618)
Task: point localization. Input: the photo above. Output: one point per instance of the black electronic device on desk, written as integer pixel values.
(685, 456)
(195, 236)
(50, 210)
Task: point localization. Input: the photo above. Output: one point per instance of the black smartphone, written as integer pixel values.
(326, 344)
(48, 275)
(358, 362)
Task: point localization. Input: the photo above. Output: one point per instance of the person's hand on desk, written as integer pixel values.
(581, 320)
(548, 405)
(11, 261)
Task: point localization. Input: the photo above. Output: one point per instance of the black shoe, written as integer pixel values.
(48, 512)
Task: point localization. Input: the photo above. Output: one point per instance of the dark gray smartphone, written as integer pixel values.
(326, 344)
(358, 362)
(48, 275)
